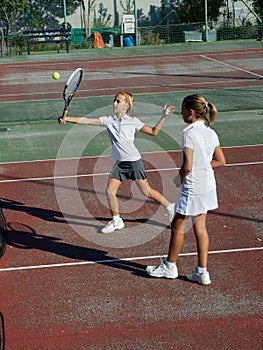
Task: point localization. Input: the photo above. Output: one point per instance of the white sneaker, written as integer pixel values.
(162, 271)
(171, 212)
(113, 225)
(203, 278)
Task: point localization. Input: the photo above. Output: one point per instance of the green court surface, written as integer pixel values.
(29, 128)
(37, 140)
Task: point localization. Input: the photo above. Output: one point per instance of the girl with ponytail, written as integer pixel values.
(121, 129)
(201, 154)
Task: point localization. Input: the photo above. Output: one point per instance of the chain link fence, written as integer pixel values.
(145, 36)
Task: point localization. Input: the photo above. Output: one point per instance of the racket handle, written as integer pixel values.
(65, 111)
(61, 120)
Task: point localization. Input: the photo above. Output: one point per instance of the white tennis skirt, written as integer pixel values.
(196, 204)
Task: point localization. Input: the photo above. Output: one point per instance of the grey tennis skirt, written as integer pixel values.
(128, 170)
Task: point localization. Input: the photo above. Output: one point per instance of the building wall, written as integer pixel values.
(110, 5)
(241, 11)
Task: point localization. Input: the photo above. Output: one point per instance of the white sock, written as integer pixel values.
(116, 217)
(169, 265)
(170, 207)
(201, 270)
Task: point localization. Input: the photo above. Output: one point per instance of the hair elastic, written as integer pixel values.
(127, 97)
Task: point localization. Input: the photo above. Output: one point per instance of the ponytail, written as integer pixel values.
(212, 111)
(201, 108)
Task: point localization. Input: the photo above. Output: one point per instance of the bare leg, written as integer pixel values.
(202, 239)
(177, 237)
(112, 189)
(149, 192)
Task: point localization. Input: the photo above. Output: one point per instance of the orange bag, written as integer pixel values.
(98, 41)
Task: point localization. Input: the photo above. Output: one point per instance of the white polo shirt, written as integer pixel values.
(203, 141)
(121, 134)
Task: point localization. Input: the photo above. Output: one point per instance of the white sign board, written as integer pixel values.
(128, 24)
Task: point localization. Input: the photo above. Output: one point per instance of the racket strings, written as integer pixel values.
(73, 84)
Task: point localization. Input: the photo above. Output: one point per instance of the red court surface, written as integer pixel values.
(166, 73)
(66, 286)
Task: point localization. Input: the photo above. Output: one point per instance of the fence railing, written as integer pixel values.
(150, 35)
(196, 32)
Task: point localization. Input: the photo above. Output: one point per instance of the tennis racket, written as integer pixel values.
(72, 86)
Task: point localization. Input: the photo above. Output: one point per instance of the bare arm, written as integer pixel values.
(218, 158)
(187, 163)
(78, 120)
(154, 131)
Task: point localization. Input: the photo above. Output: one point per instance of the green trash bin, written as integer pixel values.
(77, 35)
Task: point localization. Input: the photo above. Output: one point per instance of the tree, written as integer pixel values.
(46, 14)
(10, 11)
(258, 7)
(153, 17)
(103, 19)
(19, 15)
(86, 16)
(193, 11)
(128, 6)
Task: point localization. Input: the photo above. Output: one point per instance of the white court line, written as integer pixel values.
(107, 261)
(231, 66)
(131, 58)
(107, 173)
(106, 156)
(109, 89)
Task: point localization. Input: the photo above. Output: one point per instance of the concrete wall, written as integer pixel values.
(113, 6)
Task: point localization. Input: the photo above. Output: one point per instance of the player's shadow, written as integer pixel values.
(45, 214)
(23, 236)
(2, 332)
(65, 218)
(234, 216)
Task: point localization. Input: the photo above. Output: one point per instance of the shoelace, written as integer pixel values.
(161, 264)
(111, 222)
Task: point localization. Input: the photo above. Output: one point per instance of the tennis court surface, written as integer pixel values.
(64, 285)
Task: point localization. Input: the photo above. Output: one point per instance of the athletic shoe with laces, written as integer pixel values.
(203, 278)
(113, 225)
(162, 270)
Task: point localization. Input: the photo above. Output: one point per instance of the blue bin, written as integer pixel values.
(128, 41)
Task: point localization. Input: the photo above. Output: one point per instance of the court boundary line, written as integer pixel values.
(107, 173)
(35, 64)
(108, 156)
(48, 63)
(107, 261)
(232, 66)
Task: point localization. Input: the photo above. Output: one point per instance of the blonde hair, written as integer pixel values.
(201, 107)
(129, 99)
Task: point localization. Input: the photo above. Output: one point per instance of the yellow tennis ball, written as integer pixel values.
(56, 75)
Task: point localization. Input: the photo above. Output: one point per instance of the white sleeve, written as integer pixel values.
(104, 120)
(138, 123)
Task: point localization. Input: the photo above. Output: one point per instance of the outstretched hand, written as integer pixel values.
(61, 121)
(167, 110)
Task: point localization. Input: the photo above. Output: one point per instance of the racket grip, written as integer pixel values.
(65, 111)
